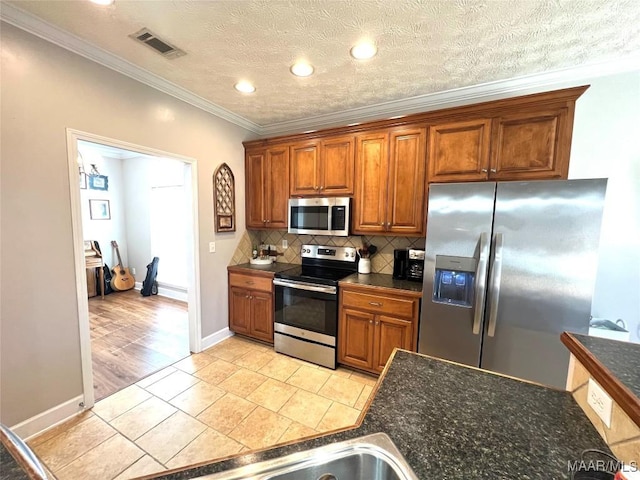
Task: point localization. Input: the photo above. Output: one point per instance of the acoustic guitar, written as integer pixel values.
(122, 279)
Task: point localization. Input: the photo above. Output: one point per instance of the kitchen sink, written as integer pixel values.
(372, 457)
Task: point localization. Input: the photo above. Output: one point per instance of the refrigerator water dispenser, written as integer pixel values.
(454, 280)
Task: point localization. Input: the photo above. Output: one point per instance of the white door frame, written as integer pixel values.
(193, 269)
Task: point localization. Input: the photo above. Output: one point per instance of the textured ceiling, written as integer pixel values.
(424, 46)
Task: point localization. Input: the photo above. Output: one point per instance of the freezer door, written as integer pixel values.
(455, 270)
(544, 259)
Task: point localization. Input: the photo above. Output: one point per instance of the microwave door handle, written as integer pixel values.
(494, 284)
(481, 283)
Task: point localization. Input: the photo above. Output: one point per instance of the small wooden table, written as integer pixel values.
(93, 259)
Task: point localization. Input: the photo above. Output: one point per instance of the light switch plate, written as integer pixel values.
(285, 243)
(212, 247)
(600, 401)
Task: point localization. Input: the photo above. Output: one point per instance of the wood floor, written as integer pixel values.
(134, 336)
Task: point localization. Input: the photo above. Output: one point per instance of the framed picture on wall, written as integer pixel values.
(99, 182)
(99, 209)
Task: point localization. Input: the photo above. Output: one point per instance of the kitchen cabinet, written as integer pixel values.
(523, 146)
(373, 322)
(391, 181)
(251, 304)
(322, 167)
(267, 187)
(459, 151)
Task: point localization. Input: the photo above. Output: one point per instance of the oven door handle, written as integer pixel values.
(305, 286)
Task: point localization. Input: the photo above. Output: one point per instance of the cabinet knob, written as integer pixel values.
(268, 221)
(382, 224)
(321, 187)
(377, 323)
(316, 188)
(370, 321)
(246, 296)
(484, 170)
(493, 170)
(264, 221)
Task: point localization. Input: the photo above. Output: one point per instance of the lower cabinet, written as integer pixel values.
(373, 323)
(251, 305)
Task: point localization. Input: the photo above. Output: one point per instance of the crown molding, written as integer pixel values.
(501, 89)
(497, 90)
(36, 26)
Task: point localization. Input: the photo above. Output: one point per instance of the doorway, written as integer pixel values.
(126, 332)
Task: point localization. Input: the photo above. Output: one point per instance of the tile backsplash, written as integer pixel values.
(381, 261)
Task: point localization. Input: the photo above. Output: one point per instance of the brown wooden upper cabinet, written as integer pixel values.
(523, 146)
(323, 167)
(459, 151)
(267, 189)
(390, 182)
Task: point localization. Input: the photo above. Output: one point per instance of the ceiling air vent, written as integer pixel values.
(151, 40)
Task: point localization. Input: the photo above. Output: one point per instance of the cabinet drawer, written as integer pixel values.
(375, 303)
(250, 282)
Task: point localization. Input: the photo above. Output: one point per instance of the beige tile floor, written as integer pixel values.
(236, 396)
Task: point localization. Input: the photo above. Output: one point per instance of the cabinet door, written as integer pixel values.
(531, 146)
(459, 151)
(355, 346)
(239, 310)
(255, 188)
(390, 333)
(305, 165)
(372, 169)
(262, 316)
(277, 187)
(407, 182)
(337, 166)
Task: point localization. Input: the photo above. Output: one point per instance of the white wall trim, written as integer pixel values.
(523, 85)
(216, 337)
(48, 419)
(32, 24)
(176, 293)
(193, 269)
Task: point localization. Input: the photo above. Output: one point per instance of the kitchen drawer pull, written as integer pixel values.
(376, 304)
(249, 282)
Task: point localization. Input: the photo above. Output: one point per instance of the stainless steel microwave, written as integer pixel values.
(319, 216)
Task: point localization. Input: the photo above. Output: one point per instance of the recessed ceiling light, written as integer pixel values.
(302, 69)
(244, 87)
(102, 2)
(363, 50)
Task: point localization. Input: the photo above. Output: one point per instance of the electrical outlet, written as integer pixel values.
(601, 403)
(285, 243)
(212, 247)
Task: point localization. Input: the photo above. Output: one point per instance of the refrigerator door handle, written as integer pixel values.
(494, 284)
(481, 276)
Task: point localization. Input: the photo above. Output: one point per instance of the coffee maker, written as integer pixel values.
(415, 264)
(400, 258)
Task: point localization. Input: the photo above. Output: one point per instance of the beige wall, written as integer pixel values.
(46, 89)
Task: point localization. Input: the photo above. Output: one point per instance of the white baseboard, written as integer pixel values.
(217, 337)
(177, 293)
(45, 420)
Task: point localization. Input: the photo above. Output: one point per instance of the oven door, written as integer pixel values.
(309, 307)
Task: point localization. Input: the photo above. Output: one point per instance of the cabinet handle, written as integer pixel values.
(264, 221)
(249, 282)
(375, 304)
(371, 321)
(247, 296)
(493, 170)
(377, 323)
(321, 187)
(268, 221)
(316, 188)
(484, 170)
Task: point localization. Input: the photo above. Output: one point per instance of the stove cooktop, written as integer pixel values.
(318, 275)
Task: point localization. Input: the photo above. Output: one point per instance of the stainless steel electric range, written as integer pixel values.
(306, 303)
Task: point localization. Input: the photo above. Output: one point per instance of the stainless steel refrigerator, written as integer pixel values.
(508, 267)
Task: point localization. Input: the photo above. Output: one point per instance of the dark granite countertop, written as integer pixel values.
(9, 468)
(382, 280)
(621, 358)
(274, 267)
(455, 422)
